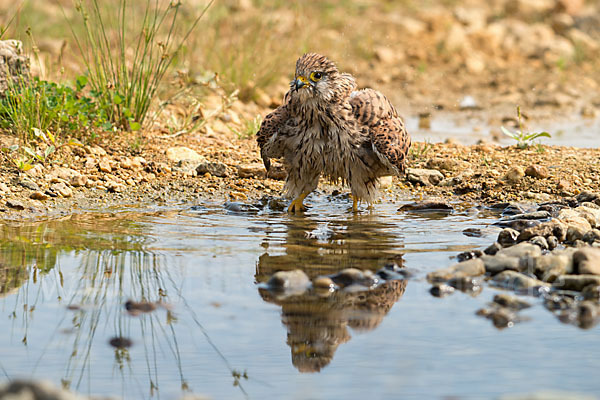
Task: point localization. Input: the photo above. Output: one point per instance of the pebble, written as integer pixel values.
(587, 261)
(237, 207)
(575, 282)
(4, 188)
(587, 197)
(511, 302)
(591, 292)
(126, 163)
(496, 264)
(545, 229)
(17, 205)
(539, 241)
(474, 267)
(425, 177)
(549, 267)
(62, 189)
(29, 184)
(428, 205)
(180, 153)
(514, 175)
(537, 171)
(104, 166)
(466, 284)
(138, 162)
(441, 290)
(493, 248)
(501, 317)
(507, 237)
(592, 236)
(38, 195)
(255, 170)
(521, 250)
(517, 281)
(552, 242)
(214, 168)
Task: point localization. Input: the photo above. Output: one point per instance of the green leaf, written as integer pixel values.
(25, 166)
(135, 126)
(38, 133)
(117, 99)
(49, 150)
(51, 136)
(507, 132)
(537, 135)
(74, 142)
(81, 81)
(29, 151)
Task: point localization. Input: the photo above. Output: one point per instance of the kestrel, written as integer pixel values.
(326, 127)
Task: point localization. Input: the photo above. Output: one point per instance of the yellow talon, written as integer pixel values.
(296, 204)
(354, 203)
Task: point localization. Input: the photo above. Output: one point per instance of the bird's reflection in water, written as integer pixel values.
(317, 320)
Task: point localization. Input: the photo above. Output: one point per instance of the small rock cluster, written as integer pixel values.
(350, 279)
(14, 66)
(552, 252)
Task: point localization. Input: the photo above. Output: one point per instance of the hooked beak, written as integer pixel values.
(300, 82)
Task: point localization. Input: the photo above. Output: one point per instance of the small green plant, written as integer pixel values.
(24, 157)
(47, 106)
(524, 139)
(419, 150)
(125, 68)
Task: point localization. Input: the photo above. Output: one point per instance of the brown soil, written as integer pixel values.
(428, 67)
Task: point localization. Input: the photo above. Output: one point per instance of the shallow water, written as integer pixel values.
(223, 335)
(576, 132)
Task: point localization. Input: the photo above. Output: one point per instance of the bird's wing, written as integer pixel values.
(267, 135)
(386, 130)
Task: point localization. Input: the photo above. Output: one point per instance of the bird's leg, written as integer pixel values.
(354, 202)
(296, 204)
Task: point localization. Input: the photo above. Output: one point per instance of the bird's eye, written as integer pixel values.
(316, 76)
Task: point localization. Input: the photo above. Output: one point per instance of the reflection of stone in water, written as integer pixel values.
(317, 325)
(362, 242)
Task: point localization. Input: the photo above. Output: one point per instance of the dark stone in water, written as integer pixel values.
(468, 255)
(518, 224)
(555, 302)
(591, 292)
(120, 342)
(493, 248)
(541, 215)
(552, 208)
(507, 237)
(552, 242)
(540, 241)
(508, 208)
(351, 276)
(587, 196)
(441, 290)
(241, 208)
(466, 284)
(511, 302)
(592, 236)
(436, 206)
(472, 232)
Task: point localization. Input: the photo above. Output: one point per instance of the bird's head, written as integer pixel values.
(316, 78)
